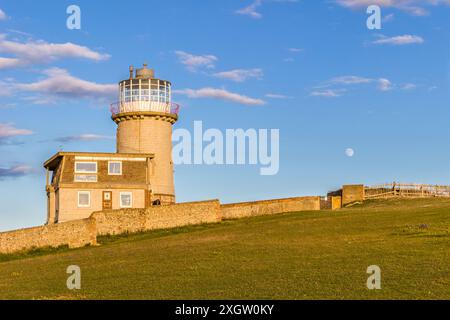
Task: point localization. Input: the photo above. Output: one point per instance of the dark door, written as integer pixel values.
(107, 200)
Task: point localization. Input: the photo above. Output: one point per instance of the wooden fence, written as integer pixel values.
(411, 190)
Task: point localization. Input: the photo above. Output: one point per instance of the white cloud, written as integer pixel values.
(251, 10)
(389, 17)
(328, 93)
(413, 7)
(295, 50)
(220, 94)
(240, 75)
(7, 130)
(194, 62)
(384, 84)
(400, 40)
(15, 171)
(32, 51)
(350, 80)
(3, 15)
(277, 96)
(6, 63)
(333, 87)
(59, 83)
(84, 137)
(409, 86)
(20, 33)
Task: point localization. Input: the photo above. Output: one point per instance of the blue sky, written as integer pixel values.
(311, 69)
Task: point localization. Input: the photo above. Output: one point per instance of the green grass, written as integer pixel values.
(307, 255)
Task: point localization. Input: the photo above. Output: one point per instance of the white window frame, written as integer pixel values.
(94, 162)
(78, 199)
(77, 178)
(131, 199)
(112, 173)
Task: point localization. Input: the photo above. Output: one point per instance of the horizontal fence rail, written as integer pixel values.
(139, 106)
(412, 190)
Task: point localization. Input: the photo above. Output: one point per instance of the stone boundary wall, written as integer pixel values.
(74, 234)
(79, 233)
(268, 207)
(158, 217)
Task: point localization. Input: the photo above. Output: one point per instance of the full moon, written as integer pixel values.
(349, 152)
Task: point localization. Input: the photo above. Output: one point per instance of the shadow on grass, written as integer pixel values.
(153, 234)
(422, 230)
(109, 239)
(33, 252)
(161, 233)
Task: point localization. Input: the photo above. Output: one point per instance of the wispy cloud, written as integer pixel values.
(277, 96)
(413, 7)
(3, 15)
(221, 94)
(195, 62)
(337, 86)
(328, 93)
(42, 52)
(295, 50)
(8, 131)
(5, 88)
(382, 83)
(400, 40)
(15, 171)
(408, 86)
(60, 84)
(84, 137)
(240, 75)
(7, 63)
(350, 80)
(389, 17)
(250, 10)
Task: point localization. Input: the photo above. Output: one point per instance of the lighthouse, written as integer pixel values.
(144, 116)
(138, 175)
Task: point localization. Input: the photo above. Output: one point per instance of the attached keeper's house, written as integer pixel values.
(138, 175)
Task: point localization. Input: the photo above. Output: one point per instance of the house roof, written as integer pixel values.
(53, 162)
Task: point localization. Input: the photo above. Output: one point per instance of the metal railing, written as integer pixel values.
(142, 106)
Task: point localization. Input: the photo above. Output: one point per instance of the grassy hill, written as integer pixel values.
(307, 255)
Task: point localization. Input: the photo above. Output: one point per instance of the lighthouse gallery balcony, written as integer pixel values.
(144, 95)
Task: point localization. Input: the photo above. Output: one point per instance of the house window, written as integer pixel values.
(84, 199)
(85, 167)
(126, 199)
(85, 178)
(114, 168)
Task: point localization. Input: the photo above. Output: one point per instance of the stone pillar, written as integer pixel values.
(51, 205)
(352, 193)
(336, 202)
